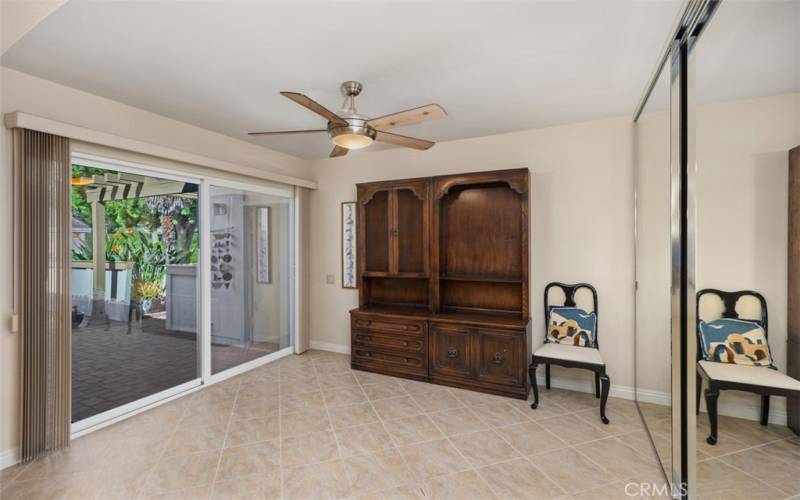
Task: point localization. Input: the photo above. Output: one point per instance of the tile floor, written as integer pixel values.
(310, 427)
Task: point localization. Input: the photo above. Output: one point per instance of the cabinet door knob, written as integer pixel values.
(452, 352)
(498, 358)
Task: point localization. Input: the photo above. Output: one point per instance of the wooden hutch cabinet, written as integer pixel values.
(443, 280)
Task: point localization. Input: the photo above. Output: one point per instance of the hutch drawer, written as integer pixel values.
(388, 325)
(390, 361)
(388, 341)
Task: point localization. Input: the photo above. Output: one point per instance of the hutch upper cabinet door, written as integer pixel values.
(394, 228)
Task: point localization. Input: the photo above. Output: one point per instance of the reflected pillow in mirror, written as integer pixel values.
(571, 326)
(735, 341)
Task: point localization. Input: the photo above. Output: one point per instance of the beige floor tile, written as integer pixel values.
(484, 448)
(374, 378)
(546, 409)
(116, 482)
(304, 422)
(182, 472)
(193, 439)
(319, 481)
(412, 430)
(43, 487)
(363, 439)
(457, 421)
(399, 407)
(787, 450)
(262, 486)
(573, 429)
(473, 398)
(768, 468)
(209, 412)
(257, 458)
(571, 400)
(433, 458)
(81, 456)
(435, 401)
(417, 387)
(622, 490)
(467, 485)
(10, 473)
(195, 493)
(383, 390)
(618, 458)
(332, 367)
(296, 403)
(620, 422)
(334, 380)
(375, 472)
(254, 408)
(351, 415)
(726, 444)
(499, 415)
(258, 390)
(571, 470)
(717, 480)
(308, 449)
(343, 396)
(253, 430)
(297, 386)
(133, 449)
(519, 479)
(530, 438)
(751, 432)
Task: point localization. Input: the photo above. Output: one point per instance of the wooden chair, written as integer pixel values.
(553, 353)
(763, 380)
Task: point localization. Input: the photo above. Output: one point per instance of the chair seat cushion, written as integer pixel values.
(751, 375)
(565, 352)
(736, 341)
(571, 326)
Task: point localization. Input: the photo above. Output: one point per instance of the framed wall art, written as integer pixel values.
(348, 235)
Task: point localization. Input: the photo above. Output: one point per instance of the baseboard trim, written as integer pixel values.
(330, 347)
(9, 458)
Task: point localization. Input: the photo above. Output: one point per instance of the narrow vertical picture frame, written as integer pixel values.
(263, 264)
(348, 235)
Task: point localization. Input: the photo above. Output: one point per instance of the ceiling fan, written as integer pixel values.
(349, 129)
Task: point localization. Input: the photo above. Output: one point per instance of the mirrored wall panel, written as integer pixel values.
(747, 67)
(653, 269)
(250, 275)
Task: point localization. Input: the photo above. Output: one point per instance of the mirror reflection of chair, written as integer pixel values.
(733, 352)
(571, 341)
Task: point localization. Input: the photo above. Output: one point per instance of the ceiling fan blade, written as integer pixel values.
(338, 151)
(402, 140)
(285, 132)
(408, 117)
(316, 107)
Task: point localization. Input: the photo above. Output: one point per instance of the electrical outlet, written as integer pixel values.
(330, 279)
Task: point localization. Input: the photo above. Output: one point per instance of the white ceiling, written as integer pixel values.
(494, 66)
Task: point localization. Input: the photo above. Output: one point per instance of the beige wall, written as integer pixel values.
(581, 221)
(21, 92)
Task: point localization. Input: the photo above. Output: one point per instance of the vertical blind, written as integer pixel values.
(42, 176)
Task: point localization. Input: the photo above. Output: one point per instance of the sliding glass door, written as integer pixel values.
(175, 282)
(250, 281)
(134, 289)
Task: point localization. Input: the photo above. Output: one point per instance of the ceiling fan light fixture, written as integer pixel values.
(352, 137)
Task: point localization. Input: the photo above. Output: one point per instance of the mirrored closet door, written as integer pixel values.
(747, 77)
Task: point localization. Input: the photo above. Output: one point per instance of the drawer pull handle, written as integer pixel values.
(405, 327)
(452, 352)
(363, 322)
(498, 358)
(405, 343)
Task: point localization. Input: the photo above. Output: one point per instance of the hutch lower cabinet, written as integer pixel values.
(443, 277)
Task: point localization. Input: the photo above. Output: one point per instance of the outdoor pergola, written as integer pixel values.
(114, 187)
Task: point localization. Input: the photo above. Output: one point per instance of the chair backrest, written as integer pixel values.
(752, 307)
(570, 296)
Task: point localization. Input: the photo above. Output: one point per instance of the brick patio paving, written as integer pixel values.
(111, 367)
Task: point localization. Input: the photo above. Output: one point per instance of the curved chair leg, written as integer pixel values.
(597, 385)
(712, 393)
(547, 376)
(532, 375)
(605, 383)
(698, 390)
(764, 410)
